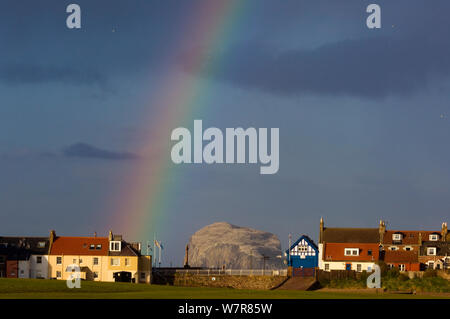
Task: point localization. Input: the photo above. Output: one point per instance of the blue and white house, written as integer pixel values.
(304, 253)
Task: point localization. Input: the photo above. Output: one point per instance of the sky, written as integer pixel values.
(363, 115)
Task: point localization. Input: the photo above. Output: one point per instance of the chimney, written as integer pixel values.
(95, 234)
(51, 238)
(382, 230)
(321, 230)
(420, 238)
(444, 231)
(110, 235)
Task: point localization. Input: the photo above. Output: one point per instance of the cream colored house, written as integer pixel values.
(98, 258)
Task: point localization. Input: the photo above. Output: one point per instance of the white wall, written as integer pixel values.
(321, 266)
(24, 269)
(340, 265)
(39, 270)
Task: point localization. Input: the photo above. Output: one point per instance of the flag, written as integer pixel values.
(158, 244)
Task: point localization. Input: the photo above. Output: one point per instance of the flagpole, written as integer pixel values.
(154, 250)
(159, 255)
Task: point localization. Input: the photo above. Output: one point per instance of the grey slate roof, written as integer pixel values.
(30, 245)
(351, 235)
(442, 248)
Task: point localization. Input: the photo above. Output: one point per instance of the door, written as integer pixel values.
(348, 266)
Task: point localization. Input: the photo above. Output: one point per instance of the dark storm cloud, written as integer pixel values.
(89, 151)
(366, 67)
(31, 74)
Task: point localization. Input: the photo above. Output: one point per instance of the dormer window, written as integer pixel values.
(114, 246)
(431, 251)
(91, 246)
(351, 252)
(434, 237)
(41, 244)
(396, 237)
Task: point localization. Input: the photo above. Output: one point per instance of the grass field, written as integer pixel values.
(38, 288)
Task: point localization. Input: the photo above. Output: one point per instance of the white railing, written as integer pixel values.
(230, 272)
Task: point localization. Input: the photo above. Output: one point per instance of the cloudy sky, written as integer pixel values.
(364, 115)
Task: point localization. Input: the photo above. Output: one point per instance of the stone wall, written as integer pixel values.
(224, 281)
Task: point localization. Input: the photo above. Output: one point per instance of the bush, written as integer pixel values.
(430, 273)
(403, 277)
(364, 275)
(383, 267)
(393, 273)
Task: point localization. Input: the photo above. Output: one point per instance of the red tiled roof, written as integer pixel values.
(410, 237)
(80, 246)
(396, 256)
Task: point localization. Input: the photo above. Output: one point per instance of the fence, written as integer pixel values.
(229, 272)
(303, 272)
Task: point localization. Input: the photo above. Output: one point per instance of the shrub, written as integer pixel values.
(403, 277)
(383, 267)
(430, 273)
(393, 273)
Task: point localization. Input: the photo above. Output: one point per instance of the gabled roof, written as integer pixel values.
(351, 235)
(410, 237)
(127, 250)
(307, 239)
(80, 246)
(401, 256)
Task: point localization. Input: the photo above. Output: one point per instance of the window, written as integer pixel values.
(369, 252)
(431, 265)
(408, 248)
(401, 267)
(142, 275)
(38, 260)
(41, 244)
(58, 274)
(91, 247)
(127, 262)
(58, 260)
(393, 248)
(99, 246)
(114, 246)
(95, 275)
(351, 252)
(396, 236)
(358, 267)
(327, 267)
(21, 272)
(95, 261)
(431, 251)
(2, 260)
(74, 261)
(115, 262)
(434, 237)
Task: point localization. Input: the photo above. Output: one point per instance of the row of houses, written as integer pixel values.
(360, 248)
(98, 258)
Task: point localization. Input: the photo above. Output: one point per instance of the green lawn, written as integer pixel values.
(38, 288)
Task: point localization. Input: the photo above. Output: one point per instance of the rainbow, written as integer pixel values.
(141, 211)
